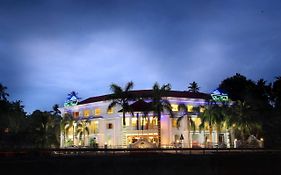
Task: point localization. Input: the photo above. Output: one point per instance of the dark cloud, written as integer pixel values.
(48, 48)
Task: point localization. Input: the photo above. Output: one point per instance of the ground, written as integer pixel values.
(144, 163)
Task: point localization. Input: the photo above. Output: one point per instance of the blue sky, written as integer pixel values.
(49, 48)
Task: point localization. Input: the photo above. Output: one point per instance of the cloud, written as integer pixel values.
(49, 48)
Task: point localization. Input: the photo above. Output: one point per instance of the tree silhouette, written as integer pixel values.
(159, 104)
(3, 93)
(121, 97)
(193, 87)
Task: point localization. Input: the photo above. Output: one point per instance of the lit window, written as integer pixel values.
(97, 111)
(202, 109)
(189, 108)
(134, 121)
(109, 126)
(174, 107)
(110, 111)
(144, 121)
(86, 113)
(174, 122)
(94, 127)
(197, 122)
(154, 121)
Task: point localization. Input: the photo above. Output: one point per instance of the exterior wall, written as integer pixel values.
(117, 136)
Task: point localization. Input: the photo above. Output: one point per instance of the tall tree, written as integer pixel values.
(243, 119)
(276, 90)
(56, 110)
(42, 128)
(208, 118)
(160, 104)
(67, 123)
(193, 87)
(3, 93)
(121, 97)
(82, 130)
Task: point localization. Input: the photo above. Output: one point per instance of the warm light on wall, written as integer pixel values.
(110, 111)
(97, 111)
(189, 108)
(202, 109)
(86, 113)
(174, 122)
(174, 107)
(134, 121)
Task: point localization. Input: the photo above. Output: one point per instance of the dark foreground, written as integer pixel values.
(144, 163)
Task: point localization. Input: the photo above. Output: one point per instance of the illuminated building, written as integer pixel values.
(106, 127)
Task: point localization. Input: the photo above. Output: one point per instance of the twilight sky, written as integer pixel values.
(49, 48)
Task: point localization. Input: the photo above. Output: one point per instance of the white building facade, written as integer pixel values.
(94, 125)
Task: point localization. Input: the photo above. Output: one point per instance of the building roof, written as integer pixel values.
(148, 94)
(140, 106)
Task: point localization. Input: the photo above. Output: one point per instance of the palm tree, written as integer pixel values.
(243, 119)
(82, 130)
(3, 93)
(67, 123)
(183, 111)
(209, 118)
(193, 87)
(121, 97)
(56, 110)
(159, 104)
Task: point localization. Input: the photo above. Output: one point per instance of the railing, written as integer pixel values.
(131, 151)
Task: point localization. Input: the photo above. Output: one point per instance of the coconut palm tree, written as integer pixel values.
(56, 110)
(82, 129)
(121, 97)
(243, 120)
(160, 104)
(3, 93)
(183, 111)
(193, 87)
(208, 117)
(67, 123)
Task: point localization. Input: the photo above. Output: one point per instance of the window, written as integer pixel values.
(110, 111)
(202, 109)
(86, 113)
(153, 121)
(75, 114)
(174, 107)
(97, 111)
(109, 126)
(94, 127)
(189, 108)
(134, 121)
(197, 122)
(174, 122)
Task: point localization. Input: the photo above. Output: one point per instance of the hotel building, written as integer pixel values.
(93, 123)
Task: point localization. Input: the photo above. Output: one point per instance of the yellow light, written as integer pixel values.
(97, 111)
(174, 107)
(189, 108)
(86, 113)
(110, 111)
